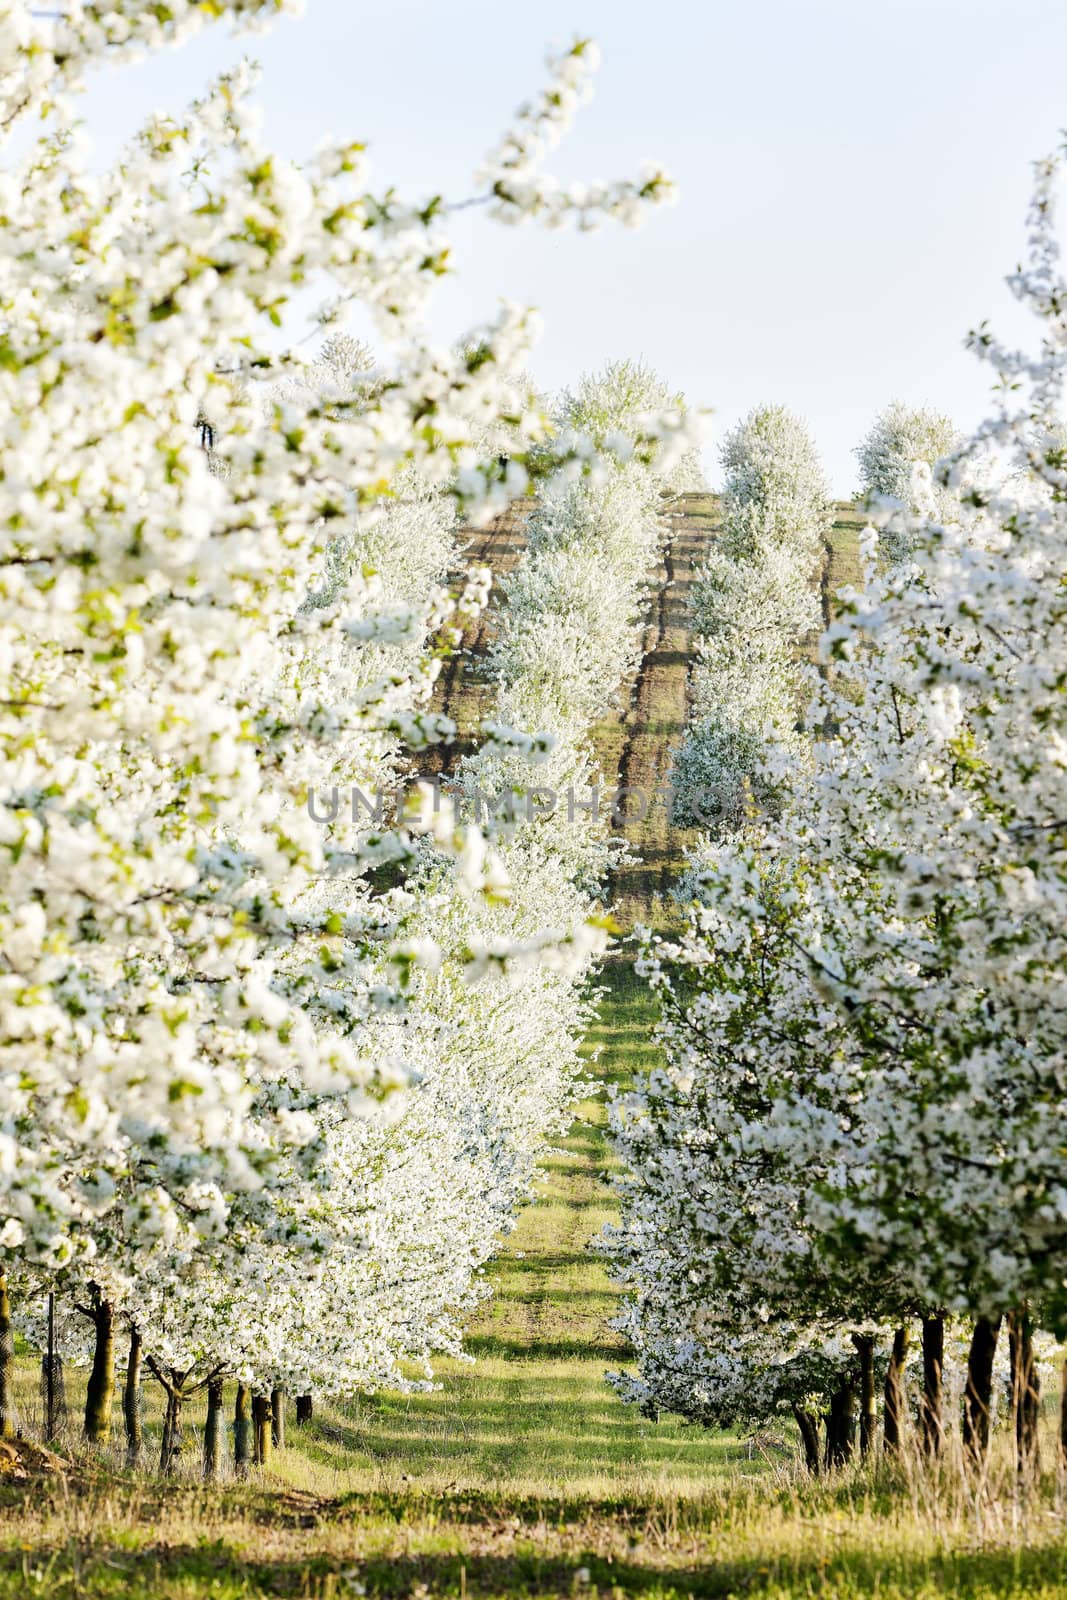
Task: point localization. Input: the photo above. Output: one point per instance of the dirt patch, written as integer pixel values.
(463, 691)
(21, 1460)
(655, 710)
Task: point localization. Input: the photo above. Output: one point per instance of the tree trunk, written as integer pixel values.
(303, 1410)
(242, 1431)
(1063, 1414)
(1025, 1391)
(933, 1426)
(840, 1425)
(53, 1395)
(52, 1389)
(131, 1401)
(171, 1444)
(864, 1343)
(101, 1390)
(214, 1432)
(978, 1395)
(9, 1421)
(808, 1423)
(277, 1413)
(261, 1427)
(895, 1407)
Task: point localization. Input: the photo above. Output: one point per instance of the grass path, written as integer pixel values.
(532, 1416)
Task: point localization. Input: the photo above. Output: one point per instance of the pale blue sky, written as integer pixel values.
(854, 177)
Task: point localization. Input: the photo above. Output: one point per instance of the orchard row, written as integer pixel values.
(861, 1125)
(271, 1092)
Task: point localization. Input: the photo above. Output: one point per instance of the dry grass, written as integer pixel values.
(769, 1535)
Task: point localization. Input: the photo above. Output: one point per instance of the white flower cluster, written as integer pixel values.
(897, 458)
(521, 192)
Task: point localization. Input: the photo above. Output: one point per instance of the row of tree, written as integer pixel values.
(275, 1071)
(860, 1126)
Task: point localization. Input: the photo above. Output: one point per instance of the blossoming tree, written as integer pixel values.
(751, 600)
(864, 1025)
(220, 591)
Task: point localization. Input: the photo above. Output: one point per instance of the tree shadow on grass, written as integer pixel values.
(581, 1169)
(534, 1261)
(225, 1571)
(548, 1349)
